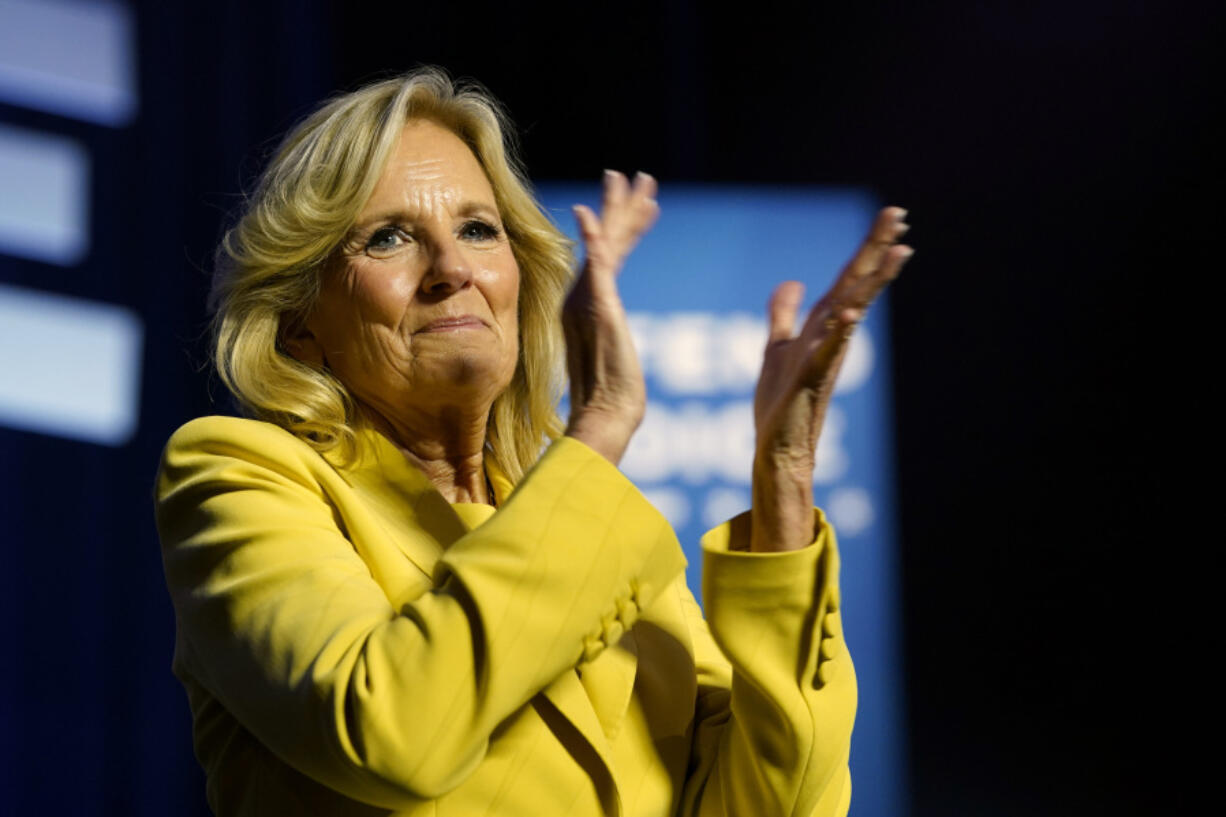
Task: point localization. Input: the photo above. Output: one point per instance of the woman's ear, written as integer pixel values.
(300, 342)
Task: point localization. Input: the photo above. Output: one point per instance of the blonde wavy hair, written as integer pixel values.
(268, 266)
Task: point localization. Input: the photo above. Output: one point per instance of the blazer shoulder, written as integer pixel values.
(218, 433)
(207, 442)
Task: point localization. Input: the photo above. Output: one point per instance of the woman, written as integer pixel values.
(389, 601)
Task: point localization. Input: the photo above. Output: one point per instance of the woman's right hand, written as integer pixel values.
(607, 393)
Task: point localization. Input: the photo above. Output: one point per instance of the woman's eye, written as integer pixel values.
(384, 239)
(479, 231)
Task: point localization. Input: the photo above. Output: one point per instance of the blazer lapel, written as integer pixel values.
(425, 525)
(414, 515)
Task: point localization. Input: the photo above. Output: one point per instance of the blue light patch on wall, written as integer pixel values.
(696, 290)
(44, 211)
(69, 367)
(71, 58)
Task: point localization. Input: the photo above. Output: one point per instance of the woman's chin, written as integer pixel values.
(473, 379)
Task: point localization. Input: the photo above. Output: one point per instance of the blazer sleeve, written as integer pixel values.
(777, 691)
(296, 639)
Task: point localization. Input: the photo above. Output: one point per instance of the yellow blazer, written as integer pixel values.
(351, 644)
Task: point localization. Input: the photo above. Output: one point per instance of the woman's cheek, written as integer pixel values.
(384, 296)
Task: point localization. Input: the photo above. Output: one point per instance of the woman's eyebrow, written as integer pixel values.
(477, 208)
(468, 208)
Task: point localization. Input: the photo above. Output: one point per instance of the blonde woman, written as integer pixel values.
(402, 586)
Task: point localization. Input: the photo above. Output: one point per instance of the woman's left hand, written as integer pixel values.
(797, 380)
(607, 393)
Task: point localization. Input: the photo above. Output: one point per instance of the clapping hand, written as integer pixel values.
(607, 394)
(797, 380)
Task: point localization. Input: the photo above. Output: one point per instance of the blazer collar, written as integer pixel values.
(413, 513)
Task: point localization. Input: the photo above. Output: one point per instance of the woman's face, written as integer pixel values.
(418, 310)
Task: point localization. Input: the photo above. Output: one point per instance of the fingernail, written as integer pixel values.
(902, 213)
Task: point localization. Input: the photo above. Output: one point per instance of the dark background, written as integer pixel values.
(1056, 159)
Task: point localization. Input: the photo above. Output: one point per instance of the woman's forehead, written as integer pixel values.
(430, 169)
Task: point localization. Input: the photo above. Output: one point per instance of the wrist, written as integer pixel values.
(607, 436)
(782, 513)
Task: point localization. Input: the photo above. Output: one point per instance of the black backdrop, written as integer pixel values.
(1052, 156)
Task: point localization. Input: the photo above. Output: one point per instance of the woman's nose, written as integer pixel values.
(449, 270)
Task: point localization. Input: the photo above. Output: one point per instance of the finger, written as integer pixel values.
(595, 242)
(895, 259)
(626, 218)
(828, 357)
(869, 288)
(876, 263)
(616, 191)
(641, 220)
(782, 308)
(600, 269)
(630, 210)
(645, 185)
(589, 225)
(644, 207)
(615, 196)
(889, 226)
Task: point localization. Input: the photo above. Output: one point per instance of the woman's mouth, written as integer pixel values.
(455, 324)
